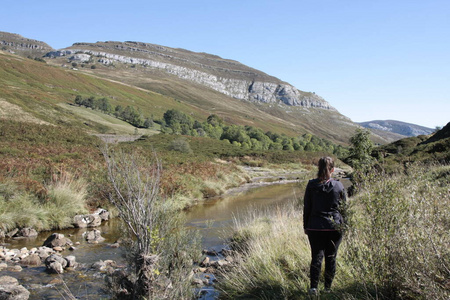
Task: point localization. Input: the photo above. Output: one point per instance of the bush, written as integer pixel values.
(180, 145)
(399, 236)
(161, 249)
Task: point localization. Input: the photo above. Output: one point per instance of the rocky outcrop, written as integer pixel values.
(14, 42)
(227, 77)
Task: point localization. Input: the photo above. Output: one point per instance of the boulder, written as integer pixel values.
(83, 221)
(57, 240)
(55, 264)
(12, 233)
(71, 261)
(11, 290)
(102, 213)
(27, 232)
(31, 260)
(93, 236)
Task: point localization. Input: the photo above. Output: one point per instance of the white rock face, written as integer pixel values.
(250, 90)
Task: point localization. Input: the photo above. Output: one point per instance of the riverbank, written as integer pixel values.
(396, 245)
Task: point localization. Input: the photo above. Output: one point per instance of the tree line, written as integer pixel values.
(247, 137)
(128, 114)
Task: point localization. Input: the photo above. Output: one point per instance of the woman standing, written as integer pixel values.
(322, 217)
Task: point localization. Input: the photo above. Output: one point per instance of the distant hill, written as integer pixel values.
(199, 84)
(424, 148)
(396, 127)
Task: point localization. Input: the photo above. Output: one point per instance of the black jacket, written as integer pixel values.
(323, 203)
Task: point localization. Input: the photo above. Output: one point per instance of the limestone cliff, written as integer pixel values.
(15, 43)
(228, 77)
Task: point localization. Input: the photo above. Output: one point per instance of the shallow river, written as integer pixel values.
(213, 218)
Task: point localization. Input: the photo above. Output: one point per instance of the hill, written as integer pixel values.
(199, 84)
(396, 128)
(432, 148)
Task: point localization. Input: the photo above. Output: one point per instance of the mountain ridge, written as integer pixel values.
(397, 127)
(272, 104)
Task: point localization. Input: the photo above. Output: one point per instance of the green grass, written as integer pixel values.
(19, 209)
(396, 245)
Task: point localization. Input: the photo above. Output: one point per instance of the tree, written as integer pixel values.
(360, 150)
(160, 248)
(78, 100)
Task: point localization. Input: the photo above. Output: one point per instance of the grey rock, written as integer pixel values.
(27, 232)
(55, 264)
(93, 236)
(83, 221)
(216, 78)
(11, 290)
(57, 240)
(71, 261)
(12, 233)
(31, 260)
(205, 262)
(102, 213)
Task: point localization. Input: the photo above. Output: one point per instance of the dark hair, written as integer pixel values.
(325, 165)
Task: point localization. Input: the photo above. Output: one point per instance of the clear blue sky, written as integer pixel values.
(371, 59)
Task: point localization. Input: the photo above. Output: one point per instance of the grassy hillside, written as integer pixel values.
(37, 92)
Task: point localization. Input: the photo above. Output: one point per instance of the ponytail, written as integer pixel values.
(326, 166)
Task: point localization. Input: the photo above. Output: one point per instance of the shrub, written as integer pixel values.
(398, 240)
(180, 145)
(161, 249)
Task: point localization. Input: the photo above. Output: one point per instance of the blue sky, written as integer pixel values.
(371, 59)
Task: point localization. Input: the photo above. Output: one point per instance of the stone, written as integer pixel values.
(55, 264)
(102, 213)
(15, 268)
(71, 261)
(27, 232)
(83, 221)
(115, 245)
(31, 260)
(12, 233)
(11, 290)
(104, 266)
(93, 236)
(205, 262)
(3, 266)
(58, 249)
(57, 240)
(56, 281)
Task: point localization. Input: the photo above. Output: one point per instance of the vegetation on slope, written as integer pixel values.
(395, 247)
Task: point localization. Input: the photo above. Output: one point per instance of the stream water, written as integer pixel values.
(213, 219)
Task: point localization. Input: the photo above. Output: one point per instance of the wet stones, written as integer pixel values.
(10, 289)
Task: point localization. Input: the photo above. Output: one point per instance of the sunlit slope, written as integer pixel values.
(36, 92)
(43, 92)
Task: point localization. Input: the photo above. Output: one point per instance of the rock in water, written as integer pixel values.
(57, 240)
(11, 290)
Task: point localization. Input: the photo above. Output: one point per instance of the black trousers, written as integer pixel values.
(323, 243)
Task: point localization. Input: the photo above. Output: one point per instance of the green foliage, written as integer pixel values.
(398, 238)
(360, 150)
(180, 145)
(395, 246)
(19, 209)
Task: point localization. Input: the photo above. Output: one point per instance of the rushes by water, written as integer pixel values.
(396, 245)
(64, 198)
